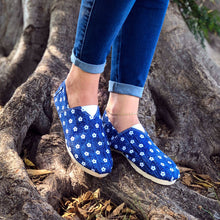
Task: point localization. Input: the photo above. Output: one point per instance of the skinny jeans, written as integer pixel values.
(131, 28)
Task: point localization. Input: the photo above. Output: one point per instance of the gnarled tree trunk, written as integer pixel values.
(180, 109)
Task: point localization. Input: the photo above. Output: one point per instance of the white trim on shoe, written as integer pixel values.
(86, 169)
(146, 175)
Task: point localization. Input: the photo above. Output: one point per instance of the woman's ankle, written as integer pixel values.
(122, 111)
(81, 87)
(122, 123)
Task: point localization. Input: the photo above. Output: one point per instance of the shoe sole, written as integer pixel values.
(146, 175)
(86, 169)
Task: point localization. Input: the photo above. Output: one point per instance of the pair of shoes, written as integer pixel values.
(144, 156)
(85, 137)
(88, 139)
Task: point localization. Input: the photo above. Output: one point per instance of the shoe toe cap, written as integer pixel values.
(170, 172)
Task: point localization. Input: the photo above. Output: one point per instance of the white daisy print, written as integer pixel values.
(83, 163)
(94, 135)
(141, 164)
(122, 139)
(153, 168)
(162, 173)
(142, 153)
(73, 111)
(132, 141)
(75, 129)
(171, 169)
(141, 136)
(123, 148)
(151, 158)
(76, 156)
(103, 169)
(133, 160)
(86, 154)
(162, 164)
(80, 119)
(97, 125)
(131, 132)
(72, 138)
(97, 152)
(131, 151)
(151, 150)
(88, 145)
(149, 142)
(86, 127)
(77, 146)
(67, 131)
(140, 145)
(99, 143)
(105, 160)
(159, 157)
(64, 113)
(108, 151)
(94, 161)
(116, 146)
(83, 136)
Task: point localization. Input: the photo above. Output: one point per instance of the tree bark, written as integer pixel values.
(179, 108)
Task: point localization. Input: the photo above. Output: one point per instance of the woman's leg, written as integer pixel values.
(98, 24)
(76, 98)
(132, 53)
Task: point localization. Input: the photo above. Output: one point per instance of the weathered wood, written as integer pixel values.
(181, 96)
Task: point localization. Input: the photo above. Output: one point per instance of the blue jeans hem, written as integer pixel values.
(126, 89)
(87, 67)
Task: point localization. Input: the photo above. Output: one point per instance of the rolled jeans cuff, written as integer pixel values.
(126, 89)
(87, 67)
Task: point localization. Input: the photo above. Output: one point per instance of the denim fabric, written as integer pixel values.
(131, 27)
(123, 88)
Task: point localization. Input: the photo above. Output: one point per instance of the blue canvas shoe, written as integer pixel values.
(84, 135)
(143, 155)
